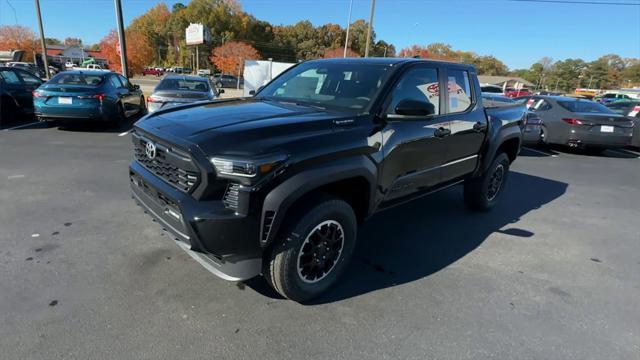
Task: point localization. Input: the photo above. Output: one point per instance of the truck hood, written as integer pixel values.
(238, 123)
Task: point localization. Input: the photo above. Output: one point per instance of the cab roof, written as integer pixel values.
(391, 61)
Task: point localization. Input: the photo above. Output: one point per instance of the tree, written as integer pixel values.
(70, 41)
(413, 51)
(152, 25)
(229, 58)
(489, 65)
(52, 41)
(139, 51)
(18, 37)
(338, 53)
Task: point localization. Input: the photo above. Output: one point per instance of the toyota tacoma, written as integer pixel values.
(277, 184)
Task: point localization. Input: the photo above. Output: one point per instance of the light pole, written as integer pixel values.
(43, 44)
(346, 39)
(373, 7)
(121, 39)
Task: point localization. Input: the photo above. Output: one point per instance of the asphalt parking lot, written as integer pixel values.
(552, 273)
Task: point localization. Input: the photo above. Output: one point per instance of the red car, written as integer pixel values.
(513, 93)
(152, 71)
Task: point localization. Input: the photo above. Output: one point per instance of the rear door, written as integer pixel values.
(413, 145)
(127, 95)
(467, 121)
(14, 85)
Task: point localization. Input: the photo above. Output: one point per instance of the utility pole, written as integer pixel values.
(346, 39)
(121, 39)
(43, 44)
(366, 49)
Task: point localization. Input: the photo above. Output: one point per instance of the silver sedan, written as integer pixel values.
(179, 90)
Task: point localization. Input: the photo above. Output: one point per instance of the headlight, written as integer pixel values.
(234, 167)
(246, 168)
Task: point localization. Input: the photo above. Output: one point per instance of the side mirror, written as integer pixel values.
(411, 107)
(252, 92)
(136, 87)
(220, 91)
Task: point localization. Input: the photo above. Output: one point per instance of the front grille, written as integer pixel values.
(171, 165)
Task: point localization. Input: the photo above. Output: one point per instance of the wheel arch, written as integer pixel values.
(352, 180)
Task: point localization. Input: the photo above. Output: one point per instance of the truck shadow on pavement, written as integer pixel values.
(422, 237)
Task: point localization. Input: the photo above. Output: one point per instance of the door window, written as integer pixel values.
(113, 80)
(420, 84)
(28, 78)
(125, 83)
(10, 77)
(459, 88)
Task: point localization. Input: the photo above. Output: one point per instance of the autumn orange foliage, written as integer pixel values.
(229, 58)
(414, 50)
(338, 53)
(19, 38)
(139, 51)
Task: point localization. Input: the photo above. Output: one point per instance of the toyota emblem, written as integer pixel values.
(150, 150)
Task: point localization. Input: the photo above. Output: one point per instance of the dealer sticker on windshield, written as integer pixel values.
(64, 100)
(607, 129)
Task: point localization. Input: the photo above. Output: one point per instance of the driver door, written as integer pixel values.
(413, 146)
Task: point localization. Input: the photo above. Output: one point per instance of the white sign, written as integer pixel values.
(258, 73)
(197, 34)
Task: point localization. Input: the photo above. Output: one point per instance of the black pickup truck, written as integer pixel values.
(277, 184)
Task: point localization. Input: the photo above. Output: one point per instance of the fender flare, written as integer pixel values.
(501, 136)
(279, 199)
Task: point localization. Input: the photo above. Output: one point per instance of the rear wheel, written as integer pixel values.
(121, 115)
(482, 193)
(312, 251)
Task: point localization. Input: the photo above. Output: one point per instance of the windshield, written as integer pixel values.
(184, 85)
(585, 106)
(76, 79)
(350, 86)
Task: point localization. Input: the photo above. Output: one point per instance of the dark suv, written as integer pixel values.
(277, 184)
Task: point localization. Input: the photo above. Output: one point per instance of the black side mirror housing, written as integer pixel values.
(410, 107)
(136, 87)
(252, 92)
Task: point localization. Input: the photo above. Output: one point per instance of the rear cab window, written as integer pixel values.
(459, 88)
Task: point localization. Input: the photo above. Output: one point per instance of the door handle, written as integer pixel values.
(442, 132)
(479, 126)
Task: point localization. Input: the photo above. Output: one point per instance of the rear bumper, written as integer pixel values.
(223, 242)
(99, 113)
(620, 138)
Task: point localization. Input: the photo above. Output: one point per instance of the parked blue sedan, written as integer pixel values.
(93, 95)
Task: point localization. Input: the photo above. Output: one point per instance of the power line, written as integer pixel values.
(14, 11)
(578, 2)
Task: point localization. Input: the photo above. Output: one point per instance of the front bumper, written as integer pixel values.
(224, 242)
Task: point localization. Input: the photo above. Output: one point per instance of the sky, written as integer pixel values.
(517, 32)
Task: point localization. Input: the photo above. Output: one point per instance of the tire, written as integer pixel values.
(482, 193)
(8, 111)
(121, 115)
(284, 265)
(544, 136)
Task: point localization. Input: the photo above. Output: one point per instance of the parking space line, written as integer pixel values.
(124, 133)
(540, 152)
(21, 126)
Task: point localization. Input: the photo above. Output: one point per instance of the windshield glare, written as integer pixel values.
(331, 85)
(184, 85)
(582, 106)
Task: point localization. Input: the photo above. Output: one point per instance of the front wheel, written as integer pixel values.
(312, 251)
(482, 193)
(142, 106)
